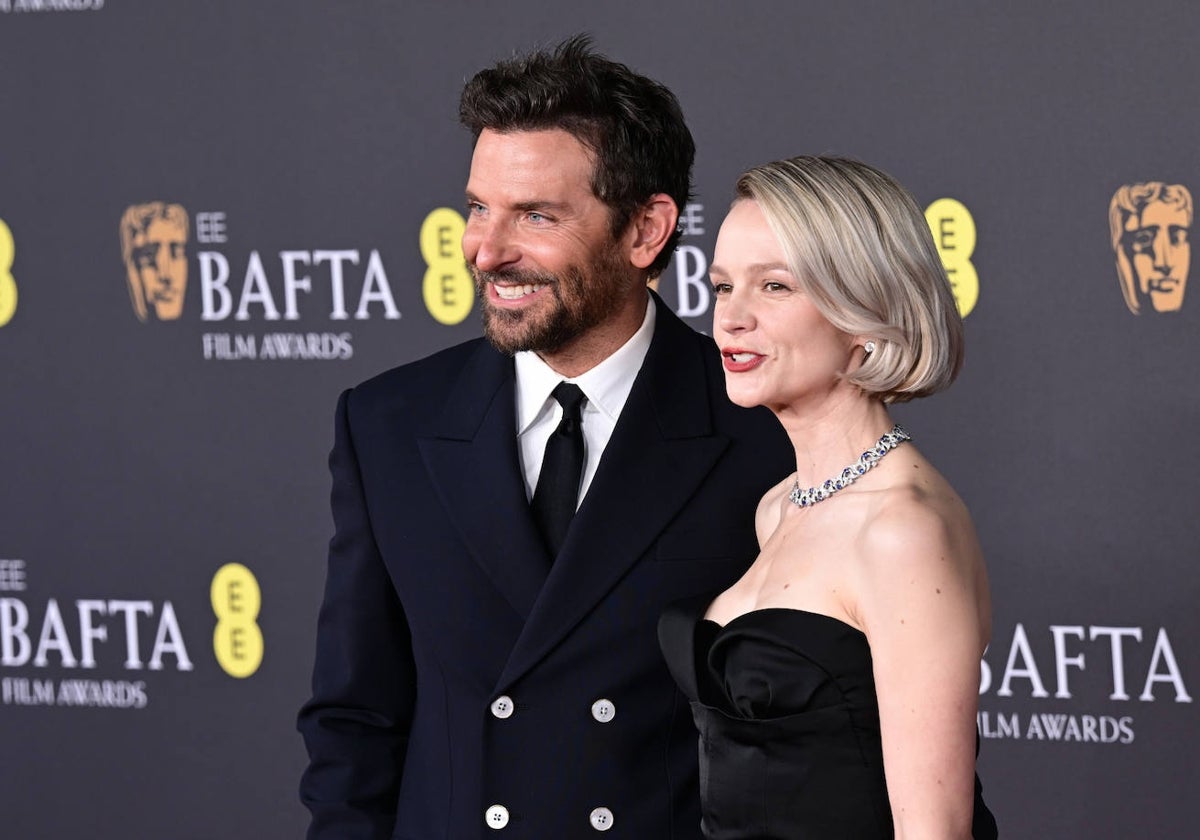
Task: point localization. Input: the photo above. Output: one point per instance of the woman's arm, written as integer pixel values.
(923, 603)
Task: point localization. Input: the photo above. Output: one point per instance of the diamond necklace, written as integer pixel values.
(852, 473)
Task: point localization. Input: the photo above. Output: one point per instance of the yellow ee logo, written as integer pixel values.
(237, 639)
(8, 285)
(448, 290)
(953, 231)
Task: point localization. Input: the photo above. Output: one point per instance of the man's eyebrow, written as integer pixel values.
(527, 205)
(540, 204)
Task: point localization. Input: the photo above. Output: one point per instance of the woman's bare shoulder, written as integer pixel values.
(917, 518)
(918, 548)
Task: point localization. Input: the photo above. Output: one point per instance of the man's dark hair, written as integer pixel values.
(632, 124)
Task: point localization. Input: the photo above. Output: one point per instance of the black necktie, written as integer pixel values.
(557, 491)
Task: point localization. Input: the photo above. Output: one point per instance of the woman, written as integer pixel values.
(835, 684)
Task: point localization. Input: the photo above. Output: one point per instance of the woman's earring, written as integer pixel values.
(869, 347)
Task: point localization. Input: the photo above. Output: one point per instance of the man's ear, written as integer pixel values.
(650, 228)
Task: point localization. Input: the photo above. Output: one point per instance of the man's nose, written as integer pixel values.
(488, 246)
(163, 270)
(1162, 250)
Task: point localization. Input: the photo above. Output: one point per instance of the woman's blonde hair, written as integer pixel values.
(861, 250)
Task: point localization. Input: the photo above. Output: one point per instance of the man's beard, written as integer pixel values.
(580, 300)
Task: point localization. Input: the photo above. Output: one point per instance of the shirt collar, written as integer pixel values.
(606, 386)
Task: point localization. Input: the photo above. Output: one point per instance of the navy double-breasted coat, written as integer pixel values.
(467, 686)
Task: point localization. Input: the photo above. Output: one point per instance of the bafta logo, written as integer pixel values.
(1149, 224)
(153, 239)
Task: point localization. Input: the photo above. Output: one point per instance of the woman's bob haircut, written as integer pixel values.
(861, 250)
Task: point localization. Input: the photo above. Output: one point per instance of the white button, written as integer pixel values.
(603, 710)
(497, 816)
(602, 819)
(502, 707)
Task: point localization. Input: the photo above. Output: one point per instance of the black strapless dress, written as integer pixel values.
(789, 726)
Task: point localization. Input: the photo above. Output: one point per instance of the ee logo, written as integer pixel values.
(8, 285)
(953, 230)
(448, 290)
(237, 639)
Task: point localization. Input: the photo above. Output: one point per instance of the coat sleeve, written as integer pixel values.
(356, 723)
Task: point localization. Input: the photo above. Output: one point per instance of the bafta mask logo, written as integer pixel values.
(153, 240)
(1150, 224)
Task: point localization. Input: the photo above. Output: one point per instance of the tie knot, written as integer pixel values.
(570, 397)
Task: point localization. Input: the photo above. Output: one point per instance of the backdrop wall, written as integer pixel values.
(272, 173)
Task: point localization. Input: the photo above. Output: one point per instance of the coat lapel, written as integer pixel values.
(472, 460)
(662, 448)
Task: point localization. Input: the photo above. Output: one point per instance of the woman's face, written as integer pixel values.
(777, 349)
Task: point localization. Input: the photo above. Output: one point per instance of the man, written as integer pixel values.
(1149, 224)
(483, 664)
(153, 240)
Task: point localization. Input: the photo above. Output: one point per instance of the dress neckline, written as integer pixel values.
(791, 611)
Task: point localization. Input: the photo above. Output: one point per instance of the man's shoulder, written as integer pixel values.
(422, 387)
(677, 340)
(435, 372)
(690, 364)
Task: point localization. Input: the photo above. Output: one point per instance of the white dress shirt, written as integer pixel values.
(606, 387)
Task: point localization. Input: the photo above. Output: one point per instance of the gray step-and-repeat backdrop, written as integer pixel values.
(216, 215)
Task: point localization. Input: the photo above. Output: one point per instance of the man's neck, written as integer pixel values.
(597, 344)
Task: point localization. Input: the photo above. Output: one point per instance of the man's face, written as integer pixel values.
(538, 242)
(1156, 245)
(158, 261)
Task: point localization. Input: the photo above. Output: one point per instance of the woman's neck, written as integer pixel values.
(833, 434)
